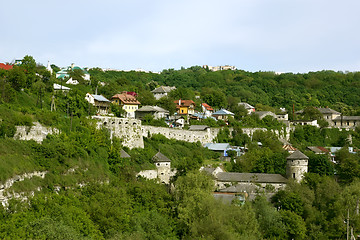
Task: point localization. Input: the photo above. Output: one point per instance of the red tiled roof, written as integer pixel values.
(132, 93)
(126, 98)
(184, 103)
(6, 66)
(207, 107)
(323, 149)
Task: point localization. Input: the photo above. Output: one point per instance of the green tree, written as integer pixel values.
(17, 78)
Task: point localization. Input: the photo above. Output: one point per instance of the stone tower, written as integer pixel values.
(162, 164)
(296, 165)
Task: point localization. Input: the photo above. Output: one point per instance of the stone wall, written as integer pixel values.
(37, 132)
(132, 132)
(128, 130)
(203, 137)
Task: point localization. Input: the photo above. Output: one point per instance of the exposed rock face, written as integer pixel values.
(8, 183)
(37, 132)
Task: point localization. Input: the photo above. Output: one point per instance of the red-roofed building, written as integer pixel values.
(207, 110)
(128, 102)
(6, 66)
(289, 148)
(185, 106)
(132, 93)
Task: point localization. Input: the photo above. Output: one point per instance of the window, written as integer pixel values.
(293, 175)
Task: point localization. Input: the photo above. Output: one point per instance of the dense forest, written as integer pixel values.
(91, 192)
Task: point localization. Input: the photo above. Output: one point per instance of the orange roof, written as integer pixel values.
(126, 98)
(6, 66)
(184, 103)
(323, 149)
(288, 147)
(207, 107)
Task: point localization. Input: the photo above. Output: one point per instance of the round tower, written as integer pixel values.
(296, 165)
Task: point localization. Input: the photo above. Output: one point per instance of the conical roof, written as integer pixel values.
(124, 154)
(297, 155)
(159, 157)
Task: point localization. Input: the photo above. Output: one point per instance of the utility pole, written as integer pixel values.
(347, 226)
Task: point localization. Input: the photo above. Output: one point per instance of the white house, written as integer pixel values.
(64, 72)
(100, 102)
(155, 111)
(162, 91)
(247, 106)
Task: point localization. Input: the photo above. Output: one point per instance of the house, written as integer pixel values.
(176, 121)
(218, 147)
(333, 151)
(6, 66)
(282, 117)
(185, 107)
(226, 179)
(232, 186)
(162, 91)
(58, 87)
(328, 113)
(318, 150)
(100, 102)
(207, 110)
(247, 107)
(163, 171)
(306, 122)
(242, 186)
(64, 72)
(219, 68)
(223, 114)
(128, 102)
(263, 114)
(346, 121)
(289, 148)
(155, 111)
(72, 82)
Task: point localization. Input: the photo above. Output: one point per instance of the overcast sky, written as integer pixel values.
(253, 35)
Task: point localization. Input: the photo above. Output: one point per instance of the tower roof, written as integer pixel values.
(159, 157)
(124, 154)
(297, 155)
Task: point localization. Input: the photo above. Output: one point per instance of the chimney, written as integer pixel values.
(72, 65)
(180, 102)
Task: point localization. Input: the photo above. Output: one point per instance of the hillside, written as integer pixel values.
(89, 191)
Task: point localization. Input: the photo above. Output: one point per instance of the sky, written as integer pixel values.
(252, 35)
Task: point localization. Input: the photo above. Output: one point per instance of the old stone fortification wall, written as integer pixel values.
(37, 132)
(132, 132)
(129, 130)
(184, 135)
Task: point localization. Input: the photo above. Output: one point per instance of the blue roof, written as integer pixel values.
(217, 146)
(100, 98)
(223, 112)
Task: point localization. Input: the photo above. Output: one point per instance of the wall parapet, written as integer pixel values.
(203, 137)
(129, 130)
